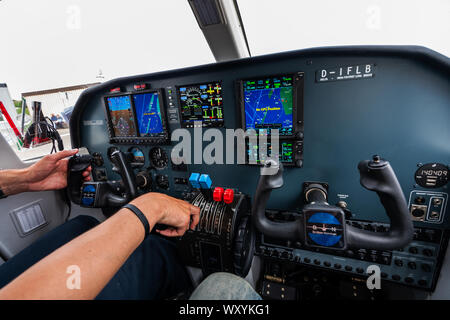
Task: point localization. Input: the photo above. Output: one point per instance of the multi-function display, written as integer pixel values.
(268, 104)
(148, 114)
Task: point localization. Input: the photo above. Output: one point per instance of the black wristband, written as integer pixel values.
(141, 217)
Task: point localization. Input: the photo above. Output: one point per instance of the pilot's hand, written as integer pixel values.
(50, 173)
(159, 208)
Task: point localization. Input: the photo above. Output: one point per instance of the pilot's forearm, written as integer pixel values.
(13, 181)
(98, 253)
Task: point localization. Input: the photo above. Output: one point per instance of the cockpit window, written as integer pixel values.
(53, 50)
(281, 25)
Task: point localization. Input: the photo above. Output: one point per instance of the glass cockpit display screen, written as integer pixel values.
(255, 155)
(201, 102)
(149, 117)
(268, 104)
(121, 116)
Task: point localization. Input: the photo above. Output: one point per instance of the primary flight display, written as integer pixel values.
(121, 116)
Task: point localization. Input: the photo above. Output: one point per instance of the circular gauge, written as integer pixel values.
(162, 181)
(158, 158)
(143, 180)
(111, 150)
(137, 157)
(432, 175)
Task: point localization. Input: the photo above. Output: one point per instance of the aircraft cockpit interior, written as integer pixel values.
(314, 170)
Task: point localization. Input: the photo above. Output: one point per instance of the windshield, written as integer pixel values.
(53, 50)
(281, 25)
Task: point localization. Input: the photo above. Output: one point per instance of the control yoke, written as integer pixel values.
(323, 225)
(100, 194)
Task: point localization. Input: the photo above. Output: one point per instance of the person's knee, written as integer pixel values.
(224, 286)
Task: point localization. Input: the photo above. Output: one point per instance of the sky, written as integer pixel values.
(54, 43)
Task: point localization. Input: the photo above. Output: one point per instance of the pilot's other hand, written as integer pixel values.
(50, 173)
(179, 215)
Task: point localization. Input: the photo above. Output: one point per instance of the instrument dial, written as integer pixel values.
(158, 158)
(143, 180)
(162, 181)
(137, 157)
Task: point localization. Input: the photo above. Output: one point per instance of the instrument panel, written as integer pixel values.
(332, 107)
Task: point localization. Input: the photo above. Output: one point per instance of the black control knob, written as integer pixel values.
(409, 280)
(413, 250)
(143, 180)
(426, 267)
(418, 212)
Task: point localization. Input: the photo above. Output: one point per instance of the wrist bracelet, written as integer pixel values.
(141, 217)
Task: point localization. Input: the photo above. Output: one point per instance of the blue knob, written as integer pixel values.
(194, 180)
(205, 181)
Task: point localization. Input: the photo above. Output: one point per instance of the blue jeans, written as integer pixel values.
(224, 286)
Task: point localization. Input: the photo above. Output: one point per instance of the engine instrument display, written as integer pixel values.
(120, 115)
(269, 104)
(201, 102)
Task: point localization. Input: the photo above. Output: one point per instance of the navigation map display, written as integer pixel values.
(201, 102)
(121, 116)
(268, 104)
(148, 114)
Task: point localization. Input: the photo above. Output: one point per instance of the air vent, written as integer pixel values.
(207, 12)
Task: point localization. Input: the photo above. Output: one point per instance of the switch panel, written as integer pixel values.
(427, 206)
